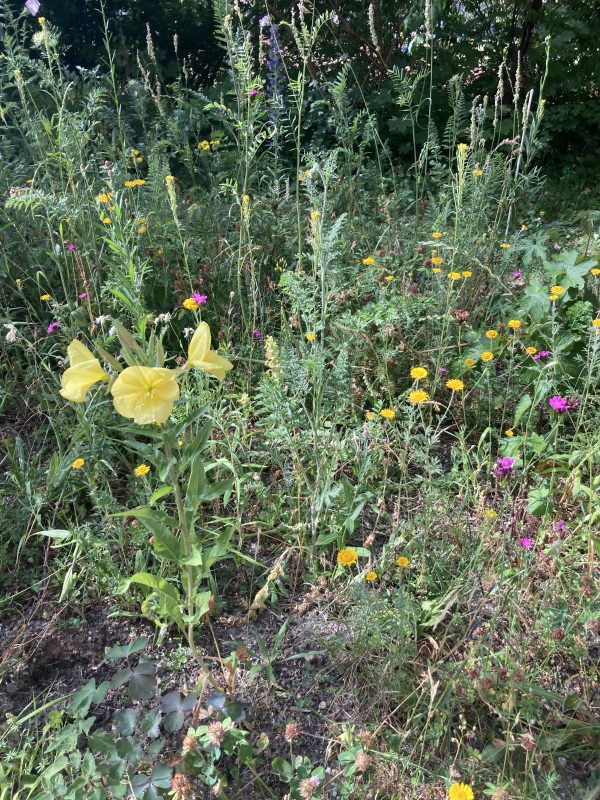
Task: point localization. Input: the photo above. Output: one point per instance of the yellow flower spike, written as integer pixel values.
(84, 371)
(200, 356)
(145, 394)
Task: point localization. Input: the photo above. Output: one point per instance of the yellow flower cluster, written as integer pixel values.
(134, 182)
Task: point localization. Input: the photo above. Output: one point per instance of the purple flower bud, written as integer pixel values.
(526, 542)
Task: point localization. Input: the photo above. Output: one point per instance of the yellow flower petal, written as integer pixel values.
(145, 394)
(84, 371)
(200, 356)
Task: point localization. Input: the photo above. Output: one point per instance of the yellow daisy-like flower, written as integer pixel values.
(531, 350)
(84, 371)
(467, 273)
(141, 470)
(490, 513)
(418, 373)
(514, 324)
(486, 356)
(460, 791)
(387, 413)
(139, 159)
(370, 416)
(403, 562)
(455, 385)
(505, 245)
(510, 433)
(595, 271)
(315, 214)
(204, 145)
(436, 270)
(417, 397)
(437, 235)
(389, 278)
(135, 182)
(106, 220)
(347, 557)
(491, 334)
(553, 298)
(310, 336)
(78, 463)
(478, 173)
(143, 229)
(557, 290)
(45, 297)
(200, 356)
(469, 362)
(596, 323)
(145, 394)
(437, 260)
(368, 261)
(190, 304)
(371, 576)
(524, 227)
(42, 21)
(454, 276)
(104, 197)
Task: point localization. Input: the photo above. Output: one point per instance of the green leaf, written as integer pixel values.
(125, 721)
(218, 488)
(569, 269)
(159, 493)
(126, 650)
(535, 300)
(143, 683)
(167, 593)
(538, 502)
(522, 406)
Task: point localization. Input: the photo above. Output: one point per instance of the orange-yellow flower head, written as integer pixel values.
(455, 385)
(486, 356)
(200, 356)
(84, 371)
(417, 397)
(368, 261)
(387, 413)
(460, 791)
(347, 557)
(514, 324)
(418, 373)
(145, 394)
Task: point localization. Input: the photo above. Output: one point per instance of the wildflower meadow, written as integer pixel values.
(299, 400)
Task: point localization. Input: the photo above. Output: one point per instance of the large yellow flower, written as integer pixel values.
(200, 356)
(145, 394)
(83, 373)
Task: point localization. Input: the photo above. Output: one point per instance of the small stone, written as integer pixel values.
(322, 705)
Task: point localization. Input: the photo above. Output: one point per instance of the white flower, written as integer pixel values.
(102, 319)
(112, 331)
(164, 318)
(187, 332)
(11, 336)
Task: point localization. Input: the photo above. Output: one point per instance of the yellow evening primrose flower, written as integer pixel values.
(387, 413)
(417, 397)
(510, 433)
(200, 356)
(84, 371)
(310, 336)
(486, 356)
(418, 373)
(347, 557)
(531, 350)
(78, 463)
(141, 470)
(505, 245)
(437, 235)
(145, 394)
(557, 290)
(402, 562)
(460, 791)
(371, 576)
(455, 385)
(469, 362)
(437, 260)
(491, 334)
(454, 276)
(514, 324)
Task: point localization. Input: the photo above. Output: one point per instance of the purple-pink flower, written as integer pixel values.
(526, 542)
(560, 526)
(257, 334)
(200, 298)
(83, 295)
(517, 274)
(541, 354)
(504, 466)
(559, 404)
(71, 247)
(52, 327)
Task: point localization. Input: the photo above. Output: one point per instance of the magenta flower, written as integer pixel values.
(443, 370)
(526, 542)
(504, 466)
(257, 334)
(560, 526)
(517, 274)
(71, 247)
(83, 295)
(253, 92)
(559, 404)
(52, 327)
(541, 354)
(200, 298)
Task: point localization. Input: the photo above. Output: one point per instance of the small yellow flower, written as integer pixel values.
(524, 227)
(541, 213)
(463, 147)
(460, 791)
(45, 297)
(510, 433)
(437, 260)
(478, 173)
(370, 415)
(436, 270)
(190, 304)
(143, 229)
(139, 159)
(170, 181)
(135, 182)
(595, 271)
(368, 261)
(389, 278)
(505, 245)
(42, 21)
(486, 356)
(417, 397)
(141, 470)
(469, 362)
(134, 153)
(437, 235)
(553, 298)
(531, 350)
(310, 336)
(557, 290)
(418, 373)
(204, 145)
(215, 142)
(514, 324)
(387, 413)
(180, 442)
(347, 557)
(106, 220)
(491, 334)
(455, 385)
(104, 197)
(454, 276)
(315, 215)
(18, 282)
(596, 323)
(78, 463)
(371, 576)
(467, 273)
(402, 562)
(490, 513)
